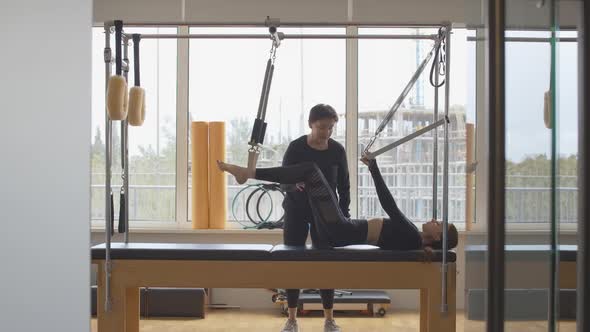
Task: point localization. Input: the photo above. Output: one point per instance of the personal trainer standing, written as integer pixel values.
(330, 156)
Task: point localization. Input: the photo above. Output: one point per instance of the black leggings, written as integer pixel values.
(295, 231)
(327, 296)
(386, 200)
(333, 228)
(398, 232)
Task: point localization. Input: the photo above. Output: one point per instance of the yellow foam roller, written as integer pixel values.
(117, 98)
(200, 174)
(136, 110)
(217, 178)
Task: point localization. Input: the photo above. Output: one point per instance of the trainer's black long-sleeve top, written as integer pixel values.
(332, 162)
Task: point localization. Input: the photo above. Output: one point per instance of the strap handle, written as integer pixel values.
(136, 40)
(118, 37)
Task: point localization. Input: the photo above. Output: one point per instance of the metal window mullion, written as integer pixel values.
(182, 125)
(553, 206)
(352, 117)
(497, 165)
(481, 136)
(583, 258)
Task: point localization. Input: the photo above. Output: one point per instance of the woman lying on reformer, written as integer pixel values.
(394, 233)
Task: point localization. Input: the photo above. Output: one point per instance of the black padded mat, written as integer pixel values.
(353, 253)
(184, 251)
(567, 253)
(258, 252)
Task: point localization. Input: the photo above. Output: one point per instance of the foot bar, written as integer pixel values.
(410, 137)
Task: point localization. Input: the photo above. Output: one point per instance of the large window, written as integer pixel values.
(567, 128)
(385, 67)
(152, 147)
(225, 80)
(528, 139)
(224, 84)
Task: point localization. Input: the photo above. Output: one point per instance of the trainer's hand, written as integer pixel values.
(300, 186)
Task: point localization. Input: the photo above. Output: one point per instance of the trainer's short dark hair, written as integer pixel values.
(322, 111)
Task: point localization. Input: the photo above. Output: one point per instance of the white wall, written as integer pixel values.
(521, 13)
(44, 165)
(401, 11)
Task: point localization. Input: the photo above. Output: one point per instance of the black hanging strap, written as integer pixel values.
(122, 214)
(439, 57)
(112, 216)
(118, 36)
(136, 39)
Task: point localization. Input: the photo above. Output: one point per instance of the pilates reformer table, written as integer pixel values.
(531, 258)
(527, 280)
(137, 265)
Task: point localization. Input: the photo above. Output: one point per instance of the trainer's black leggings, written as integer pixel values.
(327, 296)
(295, 231)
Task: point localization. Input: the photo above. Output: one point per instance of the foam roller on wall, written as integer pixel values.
(117, 98)
(217, 178)
(126, 102)
(200, 174)
(547, 109)
(136, 109)
(143, 108)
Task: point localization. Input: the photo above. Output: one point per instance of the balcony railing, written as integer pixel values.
(523, 204)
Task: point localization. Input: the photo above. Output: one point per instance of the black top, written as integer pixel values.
(398, 232)
(332, 162)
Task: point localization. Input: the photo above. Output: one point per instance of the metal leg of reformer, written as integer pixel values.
(125, 151)
(108, 155)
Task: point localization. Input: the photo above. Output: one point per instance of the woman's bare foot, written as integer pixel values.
(242, 174)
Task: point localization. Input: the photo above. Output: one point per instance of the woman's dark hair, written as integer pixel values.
(322, 111)
(452, 239)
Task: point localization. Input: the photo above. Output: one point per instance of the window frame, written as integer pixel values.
(482, 172)
(151, 225)
(182, 223)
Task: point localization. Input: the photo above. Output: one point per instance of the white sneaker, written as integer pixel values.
(290, 326)
(330, 326)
